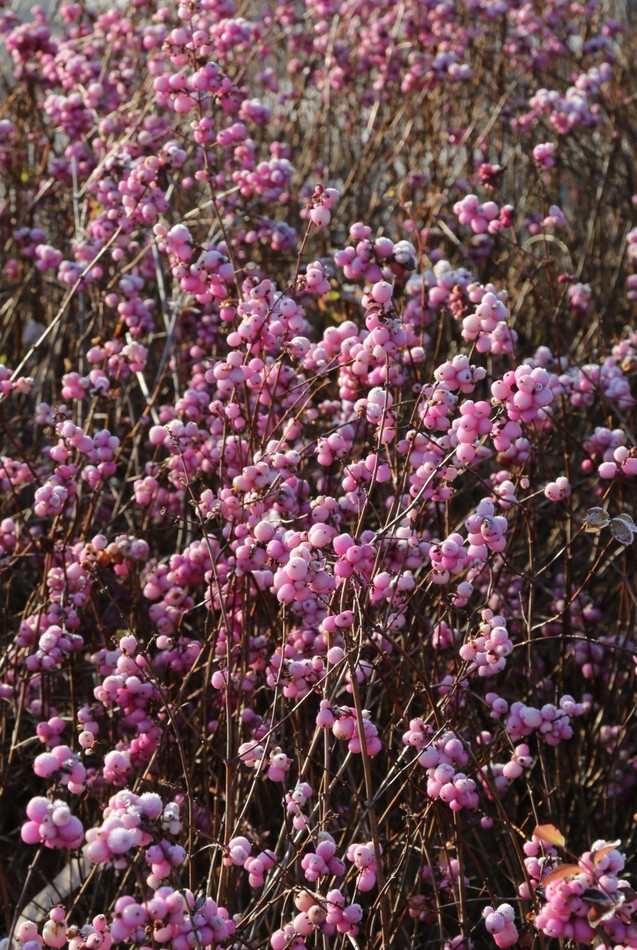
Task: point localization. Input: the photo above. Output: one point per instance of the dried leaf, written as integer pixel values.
(549, 834)
(594, 895)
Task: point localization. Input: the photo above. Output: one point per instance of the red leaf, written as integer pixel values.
(600, 914)
(561, 873)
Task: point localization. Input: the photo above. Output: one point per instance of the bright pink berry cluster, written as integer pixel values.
(586, 900)
(330, 915)
(483, 217)
(486, 652)
(500, 923)
(323, 861)
(52, 824)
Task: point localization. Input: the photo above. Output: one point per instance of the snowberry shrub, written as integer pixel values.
(317, 390)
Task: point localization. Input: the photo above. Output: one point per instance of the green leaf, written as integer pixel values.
(595, 518)
(623, 529)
